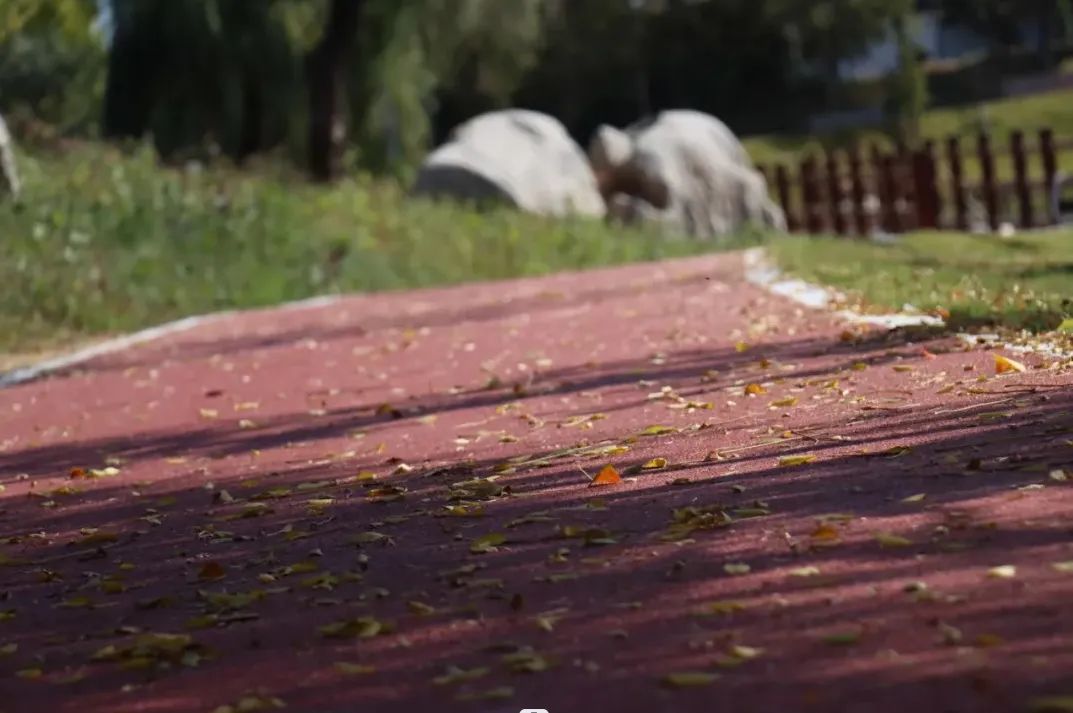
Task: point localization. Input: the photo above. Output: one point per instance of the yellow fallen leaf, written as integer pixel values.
(689, 679)
(807, 571)
(1004, 365)
(1051, 704)
(886, 539)
(353, 669)
(1063, 567)
(792, 461)
(1006, 571)
(842, 638)
(487, 543)
(736, 568)
(755, 390)
(724, 607)
(785, 403)
(915, 498)
(902, 368)
(655, 464)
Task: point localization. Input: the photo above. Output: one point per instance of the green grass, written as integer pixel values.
(105, 242)
(1020, 282)
(1053, 110)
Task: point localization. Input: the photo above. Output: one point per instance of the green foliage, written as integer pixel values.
(52, 63)
(105, 242)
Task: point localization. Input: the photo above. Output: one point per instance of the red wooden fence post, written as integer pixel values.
(811, 196)
(892, 218)
(881, 186)
(1050, 167)
(782, 183)
(925, 187)
(860, 214)
(1020, 172)
(905, 188)
(957, 182)
(987, 169)
(834, 194)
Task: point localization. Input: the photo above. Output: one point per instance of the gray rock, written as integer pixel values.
(9, 175)
(690, 171)
(524, 159)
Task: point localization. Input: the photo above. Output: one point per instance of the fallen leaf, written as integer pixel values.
(655, 464)
(825, 532)
(1051, 704)
(886, 539)
(608, 475)
(251, 704)
(755, 390)
(807, 571)
(1005, 364)
(211, 570)
(689, 679)
(456, 674)
(487, 543)
(723, 607)
(915, 498)
(353, 669)
(842, 638)
(793, 461)
(735, 568)
(1006, 571)
(363, 627)
(1063, 567)
(658, 431)
(785, 403)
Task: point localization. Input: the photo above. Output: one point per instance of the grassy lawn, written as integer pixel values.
(1031, 113)
(105, 242)
(1020, 282)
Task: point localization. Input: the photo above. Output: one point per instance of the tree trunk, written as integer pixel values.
(130, 88)
(326, 72)
(252, 129)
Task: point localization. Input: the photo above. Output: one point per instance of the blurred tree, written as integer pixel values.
(907, 93)
(51, 62)
(326, 68)
(1004, 23)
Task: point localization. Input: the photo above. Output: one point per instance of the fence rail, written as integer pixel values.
(951, 185)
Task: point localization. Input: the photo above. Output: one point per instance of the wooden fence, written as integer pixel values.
(950, 186)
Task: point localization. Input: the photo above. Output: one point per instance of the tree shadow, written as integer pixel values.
(865, 574)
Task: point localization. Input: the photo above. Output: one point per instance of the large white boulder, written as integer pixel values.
(685, 170)
(522, 158)
(9, 175)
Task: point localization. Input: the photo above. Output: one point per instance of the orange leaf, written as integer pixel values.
(1005, 364)
(825, 532)
(211, 570)
(755, 389)
(608, 475)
